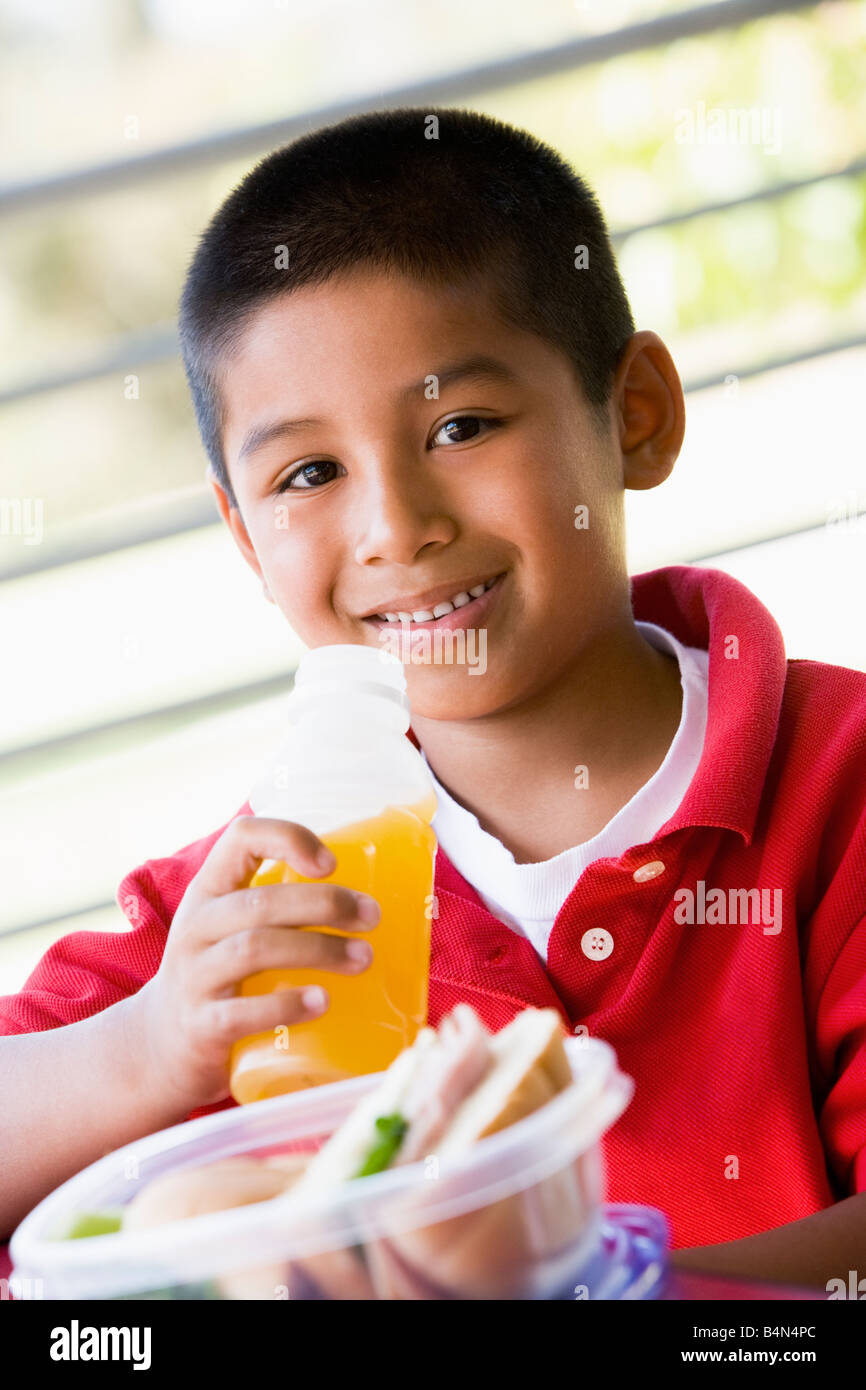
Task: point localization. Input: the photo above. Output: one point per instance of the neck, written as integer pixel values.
(614, 712)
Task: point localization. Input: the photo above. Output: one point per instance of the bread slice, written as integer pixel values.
(229, 1182)
(342, 1155)
(530, 1068)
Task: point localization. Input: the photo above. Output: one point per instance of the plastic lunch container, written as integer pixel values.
(548, 1167)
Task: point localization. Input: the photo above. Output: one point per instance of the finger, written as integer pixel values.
(285, 905)
(226, 1021)
(241, 848)
(247, 952)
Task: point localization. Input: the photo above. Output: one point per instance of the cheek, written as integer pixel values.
(297, 567)
(542, 483)
(556, 526)
(577, 520)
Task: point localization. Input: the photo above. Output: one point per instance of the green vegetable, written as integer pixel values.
(391, 1130)
(94, 1223)
(203, 1289)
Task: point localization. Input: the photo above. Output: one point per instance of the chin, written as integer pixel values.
(450, 695)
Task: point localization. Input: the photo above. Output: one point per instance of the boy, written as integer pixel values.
(648, 819)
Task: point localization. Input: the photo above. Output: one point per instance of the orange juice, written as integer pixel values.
(371, 1017)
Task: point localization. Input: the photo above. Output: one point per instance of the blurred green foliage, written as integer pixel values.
(80, 272)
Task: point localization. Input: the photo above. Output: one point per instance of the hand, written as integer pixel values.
(188, 1015)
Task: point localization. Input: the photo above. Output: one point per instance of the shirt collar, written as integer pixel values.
(709, 609)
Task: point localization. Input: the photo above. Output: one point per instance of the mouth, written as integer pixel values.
(470, 613)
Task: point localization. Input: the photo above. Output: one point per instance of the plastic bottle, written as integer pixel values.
(349, 773)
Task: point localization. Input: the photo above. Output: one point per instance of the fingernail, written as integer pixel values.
(368, 910)
(359, 951)
(326, 860)
(314, 998)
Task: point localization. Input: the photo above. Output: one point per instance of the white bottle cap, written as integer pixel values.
(344, 758)
(346, 669)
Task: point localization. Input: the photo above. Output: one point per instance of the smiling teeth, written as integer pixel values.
(426, 615)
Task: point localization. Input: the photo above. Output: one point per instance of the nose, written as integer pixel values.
(399, 511)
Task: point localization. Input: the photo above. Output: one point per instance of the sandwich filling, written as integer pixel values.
(390, 1131)
(448, 1071)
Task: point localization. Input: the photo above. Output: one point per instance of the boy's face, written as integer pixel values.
(371, 497)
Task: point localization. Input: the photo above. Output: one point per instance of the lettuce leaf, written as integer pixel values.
(391, 1130)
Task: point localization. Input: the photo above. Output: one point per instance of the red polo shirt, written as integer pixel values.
(746, 1036)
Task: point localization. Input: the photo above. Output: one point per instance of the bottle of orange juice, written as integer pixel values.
(349, 773)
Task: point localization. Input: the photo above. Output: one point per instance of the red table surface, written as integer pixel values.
(680, 1286)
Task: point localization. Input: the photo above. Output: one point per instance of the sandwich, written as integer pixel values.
(451, 1090)
(196, 1190)
(448, 1092)
(202, 1188)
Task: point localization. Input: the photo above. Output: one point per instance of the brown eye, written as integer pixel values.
(461, 428)
(286, 484)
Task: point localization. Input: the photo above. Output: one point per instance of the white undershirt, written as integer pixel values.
(527, 897)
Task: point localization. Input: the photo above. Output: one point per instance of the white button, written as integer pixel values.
(648, 871)
(596, 943)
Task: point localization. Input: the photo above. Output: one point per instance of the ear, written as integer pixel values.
(233, 520)
(650, 410)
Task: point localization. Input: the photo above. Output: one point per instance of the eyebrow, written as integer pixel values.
(479, 368)
(260, 435)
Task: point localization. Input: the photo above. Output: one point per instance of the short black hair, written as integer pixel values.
(439, 194)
